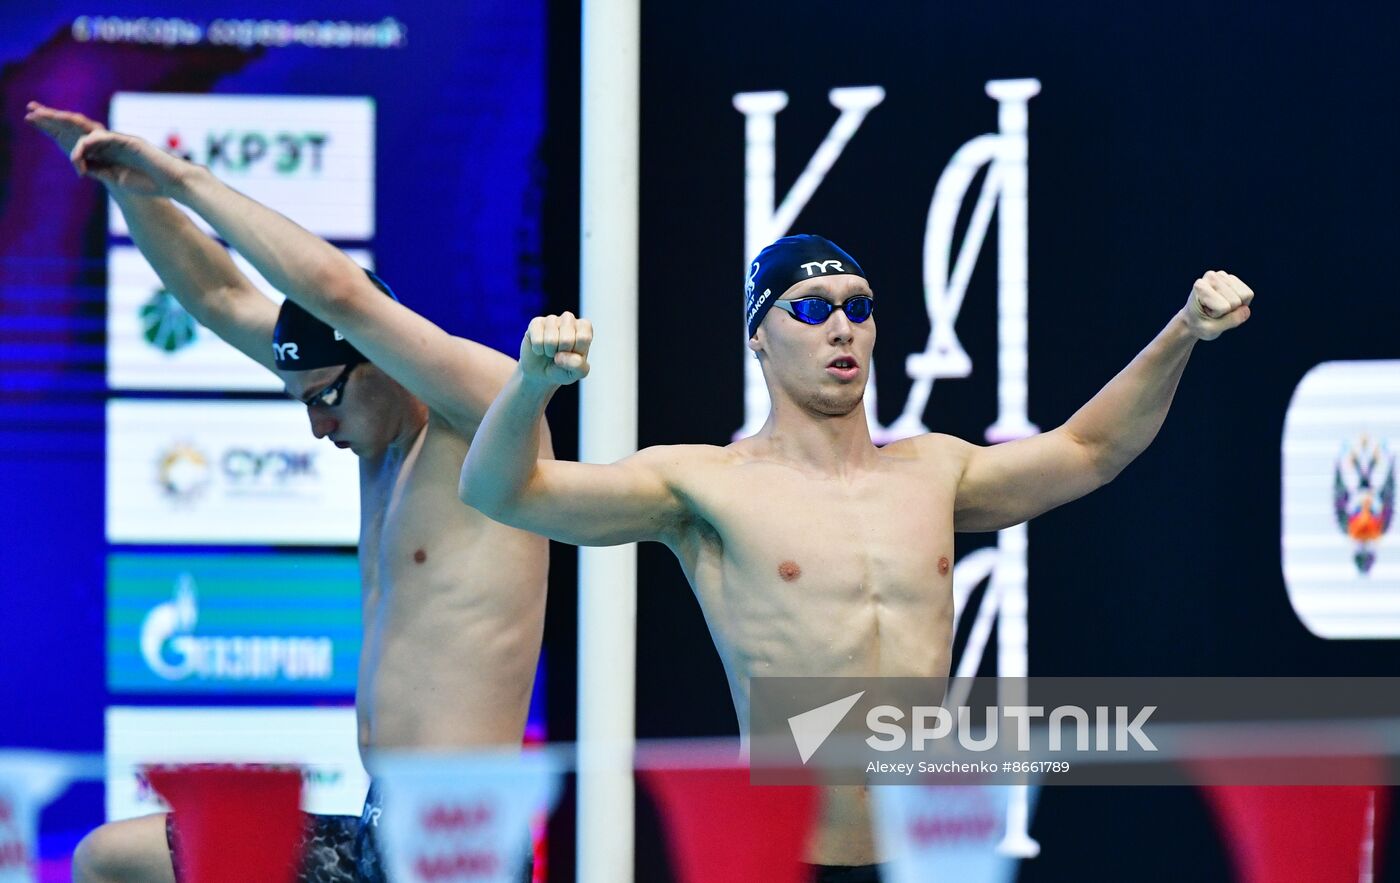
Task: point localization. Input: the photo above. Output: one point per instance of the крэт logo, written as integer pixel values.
(285, 153)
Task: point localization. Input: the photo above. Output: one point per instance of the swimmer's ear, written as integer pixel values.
(754, 343)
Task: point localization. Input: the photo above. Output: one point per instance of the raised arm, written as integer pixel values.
(1009, 483)
(191, 266)
(579, 503)
(455, 377)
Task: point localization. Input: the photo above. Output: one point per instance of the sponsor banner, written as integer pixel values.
(945, 833)
(28, 781)
(232, 623)
(464, 817)
(226, 472)
(154, 343)
(311, 158)
(321, 740)
(1341, 549)
(1074, 731)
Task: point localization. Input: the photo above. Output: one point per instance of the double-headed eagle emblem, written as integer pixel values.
(1363, 495)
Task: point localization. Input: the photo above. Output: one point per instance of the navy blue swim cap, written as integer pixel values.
(301, 342)
(787, 262)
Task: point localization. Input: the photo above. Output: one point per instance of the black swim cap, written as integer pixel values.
(787, 262)
(301, 342)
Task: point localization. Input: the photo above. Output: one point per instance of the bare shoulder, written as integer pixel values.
(680, 463)
(933, 448)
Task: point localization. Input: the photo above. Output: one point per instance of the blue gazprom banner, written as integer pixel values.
(221, 623)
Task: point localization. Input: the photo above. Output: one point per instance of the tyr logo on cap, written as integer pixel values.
(301, 342)
(820, 267)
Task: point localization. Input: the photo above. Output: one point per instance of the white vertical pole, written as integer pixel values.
(607, 577)
(1368, 841)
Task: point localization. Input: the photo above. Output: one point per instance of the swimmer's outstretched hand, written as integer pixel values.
(64, 127)
(125, 162)
(555, 349)
(1219, 301)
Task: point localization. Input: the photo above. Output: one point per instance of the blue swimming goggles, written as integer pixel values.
(816, 310)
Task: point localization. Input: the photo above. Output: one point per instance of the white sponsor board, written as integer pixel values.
(226, 472)
(1341, 549)
(321, 740)
(311, 158)
(153, 343)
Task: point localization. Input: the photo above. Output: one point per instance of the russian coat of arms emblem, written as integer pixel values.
(1364, 496)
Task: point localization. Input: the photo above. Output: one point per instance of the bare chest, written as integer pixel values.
(787, 543)
(411, 522)
(808, 575)
(883, 527)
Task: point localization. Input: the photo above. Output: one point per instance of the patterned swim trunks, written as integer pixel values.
(338, 849)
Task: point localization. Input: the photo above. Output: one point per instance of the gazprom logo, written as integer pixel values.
(199, 623)
(174, 652)
(171, 623)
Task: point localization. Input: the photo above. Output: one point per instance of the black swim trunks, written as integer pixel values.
(845, 873)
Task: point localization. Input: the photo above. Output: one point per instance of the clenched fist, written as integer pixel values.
(1219, 301)
(555, 349)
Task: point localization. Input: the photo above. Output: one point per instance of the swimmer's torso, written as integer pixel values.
(805, 574)
(453, 605)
